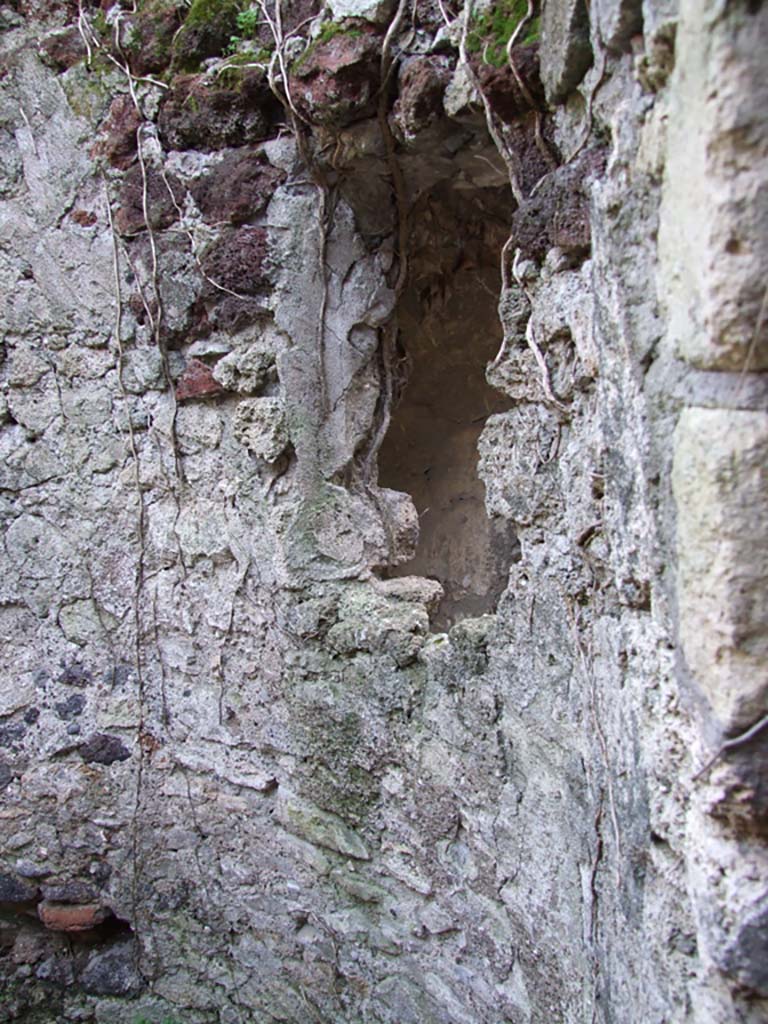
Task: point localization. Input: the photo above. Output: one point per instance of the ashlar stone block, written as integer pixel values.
(720, 484)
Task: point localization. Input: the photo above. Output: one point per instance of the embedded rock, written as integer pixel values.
(260, 425)
(199, 114)
(101, 748)
(566, 48)
(721, 484)
(197, 381)
(336, 82)
(237, 188)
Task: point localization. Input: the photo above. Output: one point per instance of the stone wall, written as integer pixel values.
(246, 776)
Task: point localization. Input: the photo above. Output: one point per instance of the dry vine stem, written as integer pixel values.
(726, 745)
(602, 742)
(139, 583)
(530, 337)
(541, 145)
(493, 131)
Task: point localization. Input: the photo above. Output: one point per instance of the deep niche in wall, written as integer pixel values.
(448, 330)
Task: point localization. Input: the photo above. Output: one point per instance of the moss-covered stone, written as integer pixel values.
(197, 114)
(336, 79)
(151, 36)
(206, 32)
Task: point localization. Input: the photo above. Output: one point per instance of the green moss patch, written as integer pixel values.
(490, 31)
(207, 30)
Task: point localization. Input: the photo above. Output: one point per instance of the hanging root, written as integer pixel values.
(732, 744)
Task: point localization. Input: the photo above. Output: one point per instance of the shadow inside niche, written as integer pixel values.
(448, 330)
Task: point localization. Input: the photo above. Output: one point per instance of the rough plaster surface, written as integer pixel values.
(243, 777)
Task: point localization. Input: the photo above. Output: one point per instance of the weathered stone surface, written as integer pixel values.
(721, 485)
(334, 811)
(246, 371)
(369, 10)
(260, 425)
(319, 827)
(619, 21)
(714, 244)
(565, 47)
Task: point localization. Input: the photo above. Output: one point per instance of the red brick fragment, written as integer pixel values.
(72, 917)
(197, 381)
(85, 218)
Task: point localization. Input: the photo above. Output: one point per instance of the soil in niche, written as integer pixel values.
(448, 331)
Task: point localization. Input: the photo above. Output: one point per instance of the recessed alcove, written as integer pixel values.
(448, 330)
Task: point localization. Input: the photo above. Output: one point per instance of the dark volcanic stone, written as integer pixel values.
(236, 189)
(119, 129)
(63, 49)
(13, 890)
(337, 81)
(112, 971)
(71, 892)
(117, 675)
(56, 970)
(71, 707)
(422, 83)
(508, 101)
(12, 734)
(151, 36)
(103, 749)
(232, 314)
(529, 160)
(75, 675)
(558, 213)
(197, 114)
(746, 956)
(161, 209)
(237, 261)
(207, 30)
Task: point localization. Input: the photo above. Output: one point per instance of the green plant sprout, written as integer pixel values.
(247, 24)
(489, 31)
